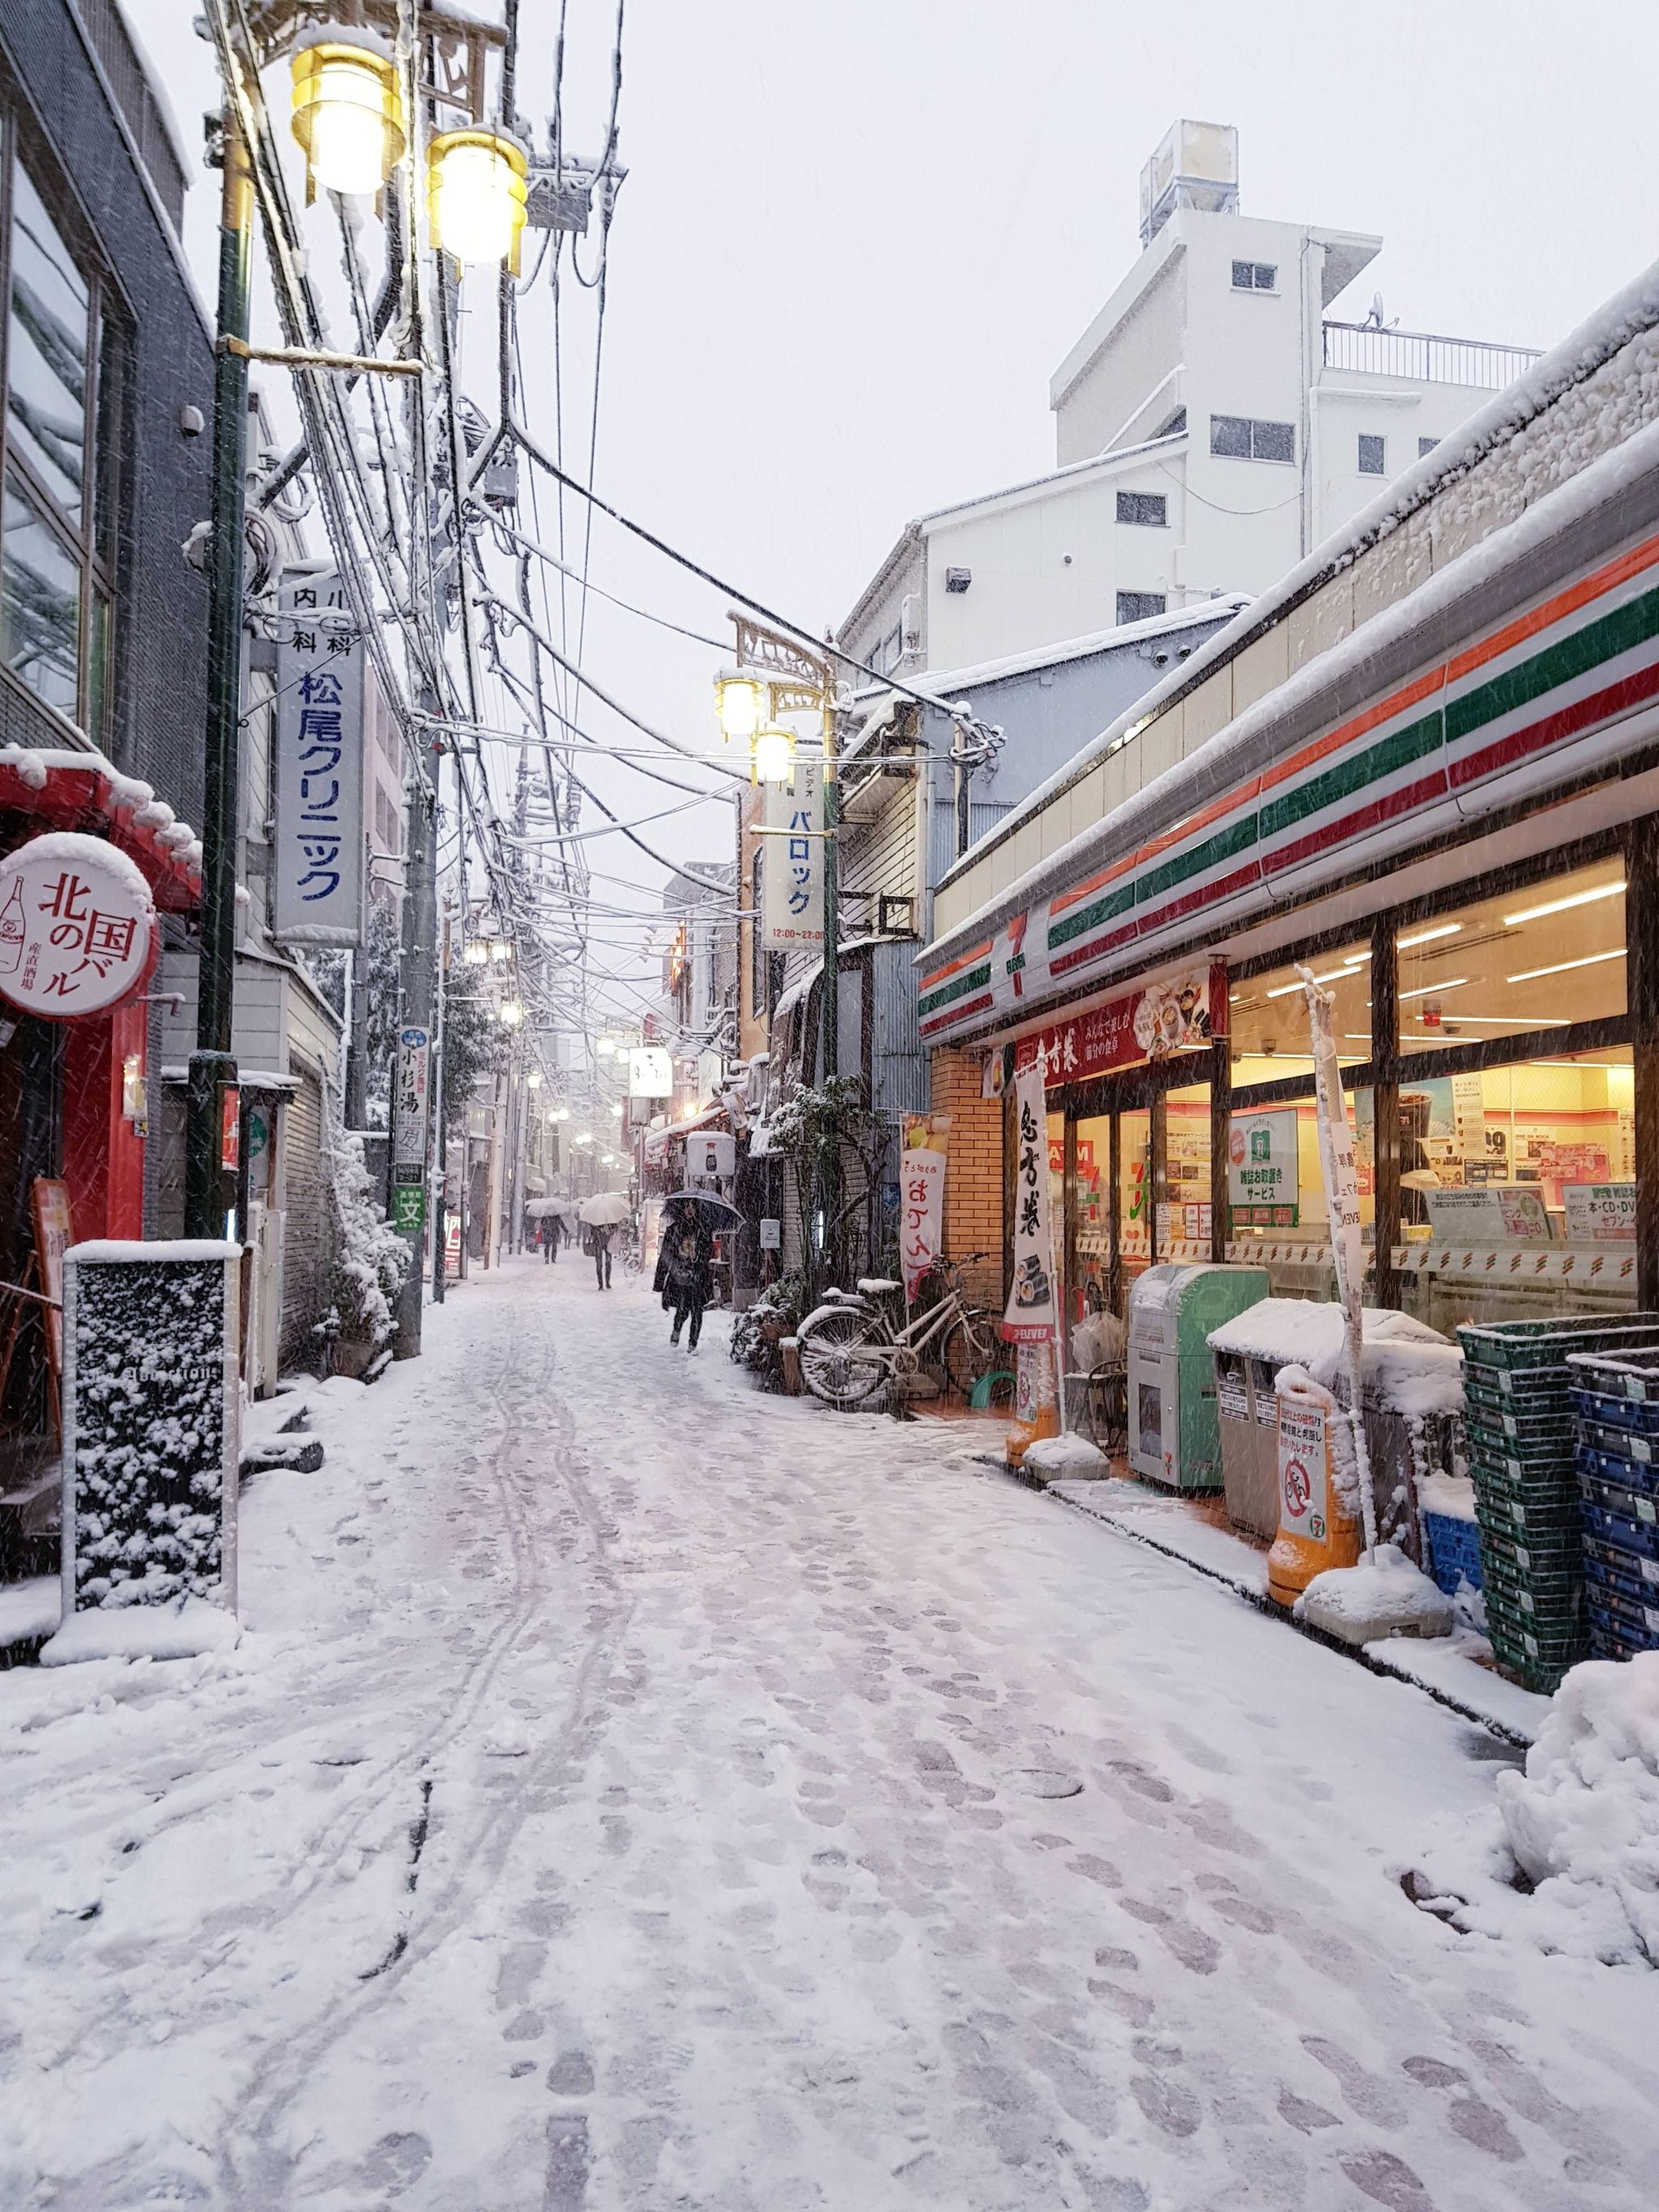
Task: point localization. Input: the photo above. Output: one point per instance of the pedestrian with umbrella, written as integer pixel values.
(684, 1278)
(600, 1216)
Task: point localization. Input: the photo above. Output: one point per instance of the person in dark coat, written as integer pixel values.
(552, 1235)
(684, 1280)
(600, 1234)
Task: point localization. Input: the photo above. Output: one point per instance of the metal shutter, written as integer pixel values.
(305, 1241)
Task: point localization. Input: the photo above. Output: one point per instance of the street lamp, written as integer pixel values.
(476, 187)
(510, 1013)
(475, 952)
(741, 703)
(534, 1079)
(348, 112)
(501, 949)
(773, 760)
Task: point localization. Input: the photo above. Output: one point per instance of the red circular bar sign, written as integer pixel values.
(77, 926)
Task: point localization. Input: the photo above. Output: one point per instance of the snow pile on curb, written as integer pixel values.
(1069, 1458)
(143, 1632)
(1388, 1596)
(1583, 1821)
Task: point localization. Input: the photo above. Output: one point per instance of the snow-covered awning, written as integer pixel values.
(71, 790)
(657, 1144)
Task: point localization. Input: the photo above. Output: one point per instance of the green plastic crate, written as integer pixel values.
(1529, 1522)
(1509, 1345)
(1518, 1391)
(1509, 1547)
(1555, 1600)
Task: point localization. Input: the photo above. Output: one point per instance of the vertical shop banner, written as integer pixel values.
(408, 1130)
(922, 1197)
(319, 865)
(1033, 1304)
(792, 864)
(1342, 1178)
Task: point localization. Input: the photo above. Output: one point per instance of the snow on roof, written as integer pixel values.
(1225, 605)
(1624, 316)
(1259, 731)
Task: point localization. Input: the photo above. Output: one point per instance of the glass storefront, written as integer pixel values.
(1467, 1111)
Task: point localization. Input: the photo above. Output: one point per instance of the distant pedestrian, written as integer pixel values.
(552, 1235)
(599, 1236)
(684, 1278)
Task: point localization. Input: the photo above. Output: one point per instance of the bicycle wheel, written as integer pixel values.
(969, 1360)
(836, 1362)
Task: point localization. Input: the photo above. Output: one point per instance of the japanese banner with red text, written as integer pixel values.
(922, 1197)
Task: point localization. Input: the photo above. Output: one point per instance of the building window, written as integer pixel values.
(1238, 438)
(1425, 446)
(1149, 509)
(1255, 277)
(1373, 455)
(1139, 607)
(58, 519)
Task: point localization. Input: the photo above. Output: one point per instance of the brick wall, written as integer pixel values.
(973, 1181)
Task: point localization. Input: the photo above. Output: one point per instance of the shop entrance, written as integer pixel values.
(1132, 1155)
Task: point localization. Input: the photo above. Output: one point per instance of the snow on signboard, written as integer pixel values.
(77, 926)
(151, 1423)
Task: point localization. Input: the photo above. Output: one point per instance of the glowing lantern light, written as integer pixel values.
(476, 187)
(347, 115)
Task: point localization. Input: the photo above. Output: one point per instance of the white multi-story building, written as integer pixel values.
(1213, 424)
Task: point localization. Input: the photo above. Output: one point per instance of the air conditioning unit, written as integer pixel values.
(958, 580)
(910, 621)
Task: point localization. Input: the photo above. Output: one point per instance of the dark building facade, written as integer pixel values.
(106, 381)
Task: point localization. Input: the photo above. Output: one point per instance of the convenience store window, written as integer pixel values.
(1554, 1125)
(1268, 1017)
(1184, 1216)
(1517, 963)
(1275, 1186)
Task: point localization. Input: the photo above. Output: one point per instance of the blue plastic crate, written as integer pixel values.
(1602, 1582)
(1608, 1436)
(1615, 1636)
(1614, 1564)
(1642, 1482)
(1454, 1547)
(1608, 1412)
(1629, 1371)
(1625, 1535)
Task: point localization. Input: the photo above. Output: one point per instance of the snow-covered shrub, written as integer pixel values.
(1583, 1819)
(756, 1333)
(370, 1259)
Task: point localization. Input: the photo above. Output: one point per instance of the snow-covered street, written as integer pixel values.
(634, 1792)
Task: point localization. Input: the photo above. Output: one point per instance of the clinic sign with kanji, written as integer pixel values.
(320, 864)
(77, 926)
(792, 867)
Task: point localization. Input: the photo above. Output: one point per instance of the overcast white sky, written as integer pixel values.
(857, 235)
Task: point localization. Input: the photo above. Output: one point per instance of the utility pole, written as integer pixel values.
(213, 1064)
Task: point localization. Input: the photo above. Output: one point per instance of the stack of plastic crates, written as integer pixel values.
(1615, 1396)
(1519, 1425)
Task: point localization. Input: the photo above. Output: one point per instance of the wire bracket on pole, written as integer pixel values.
(304, 357)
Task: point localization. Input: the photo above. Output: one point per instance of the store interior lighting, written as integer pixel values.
(1561, 905)
(1564, 967)
(1429, 936)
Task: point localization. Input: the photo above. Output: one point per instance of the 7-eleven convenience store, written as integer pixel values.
(1427, 768)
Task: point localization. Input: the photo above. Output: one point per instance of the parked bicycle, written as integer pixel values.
(858, 1347)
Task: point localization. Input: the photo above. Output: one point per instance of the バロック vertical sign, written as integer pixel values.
(791, 859)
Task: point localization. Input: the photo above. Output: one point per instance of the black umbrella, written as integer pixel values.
(717, 1215)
